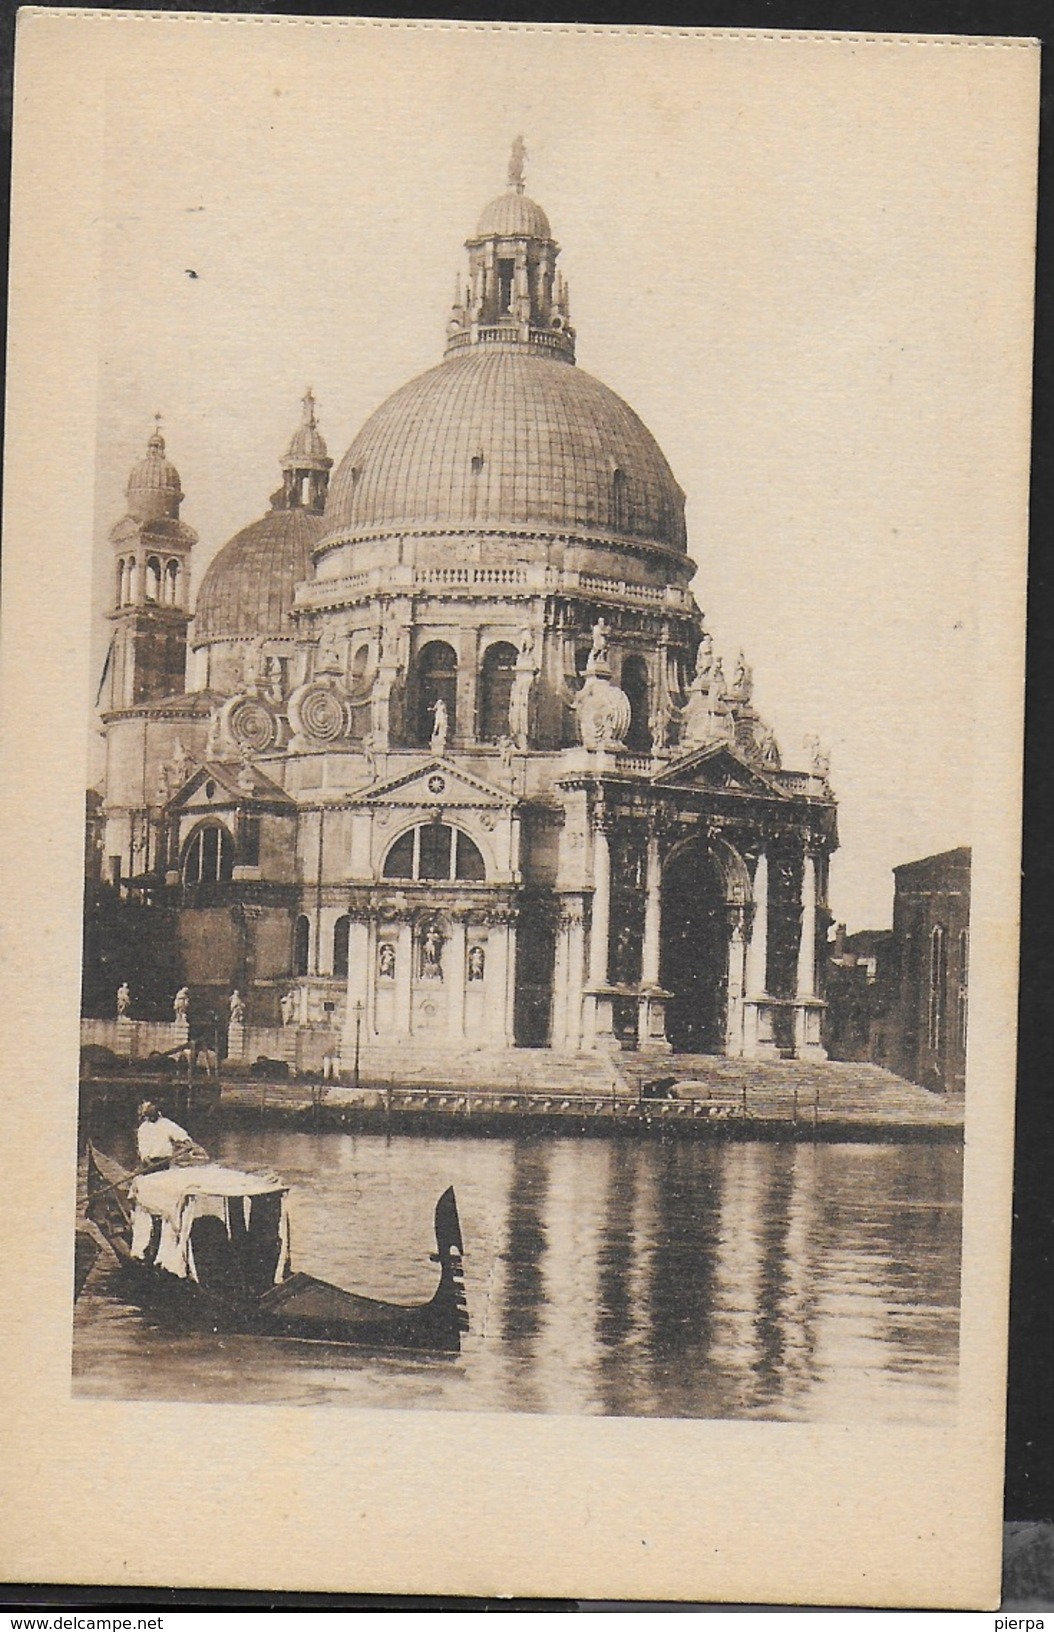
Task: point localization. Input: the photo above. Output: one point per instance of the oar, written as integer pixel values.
(105, 1189)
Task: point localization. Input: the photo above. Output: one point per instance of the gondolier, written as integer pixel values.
(163, 1143)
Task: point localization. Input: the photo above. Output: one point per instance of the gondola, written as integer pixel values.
(209, 1246)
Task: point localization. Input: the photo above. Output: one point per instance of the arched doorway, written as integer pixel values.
(694, 962)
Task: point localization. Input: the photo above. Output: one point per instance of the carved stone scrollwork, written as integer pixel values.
(251, 724)
(318, 714)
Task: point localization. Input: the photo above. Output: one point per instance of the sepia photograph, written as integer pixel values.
(545, 711)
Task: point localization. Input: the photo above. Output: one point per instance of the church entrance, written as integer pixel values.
(694, 963)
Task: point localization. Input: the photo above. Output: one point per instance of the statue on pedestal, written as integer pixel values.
(181, 1004)
(441, 726)
(237, 1016)
(124, 1001)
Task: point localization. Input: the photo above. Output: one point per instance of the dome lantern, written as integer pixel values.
(154, 490)
(514, 296)
(305, 464)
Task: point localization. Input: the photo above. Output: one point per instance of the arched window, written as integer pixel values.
(436, 681)
(341, 933)
(938, 977)
(301, 943)
(359, 665)
(210, 856)
(435, 852)
(119, 585)
(619, 501)
(153, 579)
(495, 691)
(634, 679)
(171, 583)
(962, 1001)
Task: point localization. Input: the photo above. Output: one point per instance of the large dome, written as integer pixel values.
(499, 438)
(248, 587)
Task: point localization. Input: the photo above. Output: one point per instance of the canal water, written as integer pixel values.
(792, 1282)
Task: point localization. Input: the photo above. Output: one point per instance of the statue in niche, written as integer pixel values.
(328, 659)
(370, 754)
(386, 961)
(432, 954)
(212, 745)
(440, 727)
(124, 1001)
(181, 762)
(287, 1005)
(275, 679)
(477, 959)
(237, 1008)
(246, 780)
(164, 792)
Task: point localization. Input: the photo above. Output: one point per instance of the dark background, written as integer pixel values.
(1030, 1412)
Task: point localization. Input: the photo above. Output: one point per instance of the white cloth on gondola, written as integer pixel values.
(179, 1196)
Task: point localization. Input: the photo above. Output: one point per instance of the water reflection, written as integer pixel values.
(603, 1276)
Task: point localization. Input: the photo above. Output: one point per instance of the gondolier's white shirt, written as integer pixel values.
(157, 1141)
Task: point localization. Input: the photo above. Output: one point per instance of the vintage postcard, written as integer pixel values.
(514, 620)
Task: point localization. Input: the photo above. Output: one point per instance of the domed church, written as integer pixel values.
(445, 761)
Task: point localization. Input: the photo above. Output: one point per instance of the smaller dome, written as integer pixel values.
(307, 446)
(249, 586)
(154, 489)
(513, 215)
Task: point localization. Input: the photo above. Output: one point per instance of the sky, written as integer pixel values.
(801, 267)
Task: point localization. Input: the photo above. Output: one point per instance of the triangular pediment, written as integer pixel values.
(229, 785)
(436, 782)
(718, 769)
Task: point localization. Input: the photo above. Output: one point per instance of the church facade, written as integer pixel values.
(444, 758)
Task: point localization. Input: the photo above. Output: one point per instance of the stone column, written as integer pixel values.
(561, 985)
(757, 1017)
(573, 926)
(404, 970)
(735, 1043)
(454, 977)
(809, 1008)
(807, 943)
(601, 925)
(599, 1011)
(358, 981)
(370, 1021)
(496, 983)
(651, 1016)
(510, 983)
(652, 913)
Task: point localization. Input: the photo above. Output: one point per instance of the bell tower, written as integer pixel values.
(151, 571)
